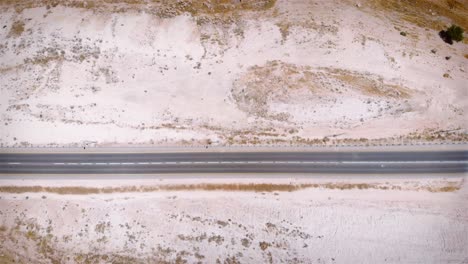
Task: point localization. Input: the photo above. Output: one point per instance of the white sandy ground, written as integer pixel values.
(315, 225)
(293, 73)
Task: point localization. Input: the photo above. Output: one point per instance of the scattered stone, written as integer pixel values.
(447, 58)
(403, 33)
(446, 75)
(434, 51)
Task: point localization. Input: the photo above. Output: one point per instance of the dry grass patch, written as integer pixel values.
(424, 13)
(284, 29)
(264, 245)
(7, 258)
(370, 85)
(221, 6)
(32, 235)
(43, 60)
(10, 68)
(87, 258)
(450, 188)
(233, 187)
(273, 81)
(16, 29)
(162, 7)
(277, 81)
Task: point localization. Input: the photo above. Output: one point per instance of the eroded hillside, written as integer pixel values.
(230, 72)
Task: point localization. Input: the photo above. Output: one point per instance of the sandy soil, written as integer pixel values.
(256, 72)
(384, 220)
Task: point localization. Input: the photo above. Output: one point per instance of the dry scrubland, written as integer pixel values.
(120, 72)
(230, 72)
(374, 220)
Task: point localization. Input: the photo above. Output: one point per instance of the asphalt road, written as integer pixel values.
(230, 162)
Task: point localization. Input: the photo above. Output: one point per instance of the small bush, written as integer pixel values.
(453, 33)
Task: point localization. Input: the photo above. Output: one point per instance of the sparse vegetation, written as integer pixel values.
(264, 245)
(167, 8)
(233, 187)
(245, 242)
(17, 29)
(423, 13)
(284, 30)
(31, 235)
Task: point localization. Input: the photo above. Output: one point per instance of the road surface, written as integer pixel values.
(236, 162)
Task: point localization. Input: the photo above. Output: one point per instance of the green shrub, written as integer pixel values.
(455, 32)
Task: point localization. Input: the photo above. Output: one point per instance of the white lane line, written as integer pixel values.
(320, 162)
(260, 162)
(405, 162)
(331, 162)
(14, 163)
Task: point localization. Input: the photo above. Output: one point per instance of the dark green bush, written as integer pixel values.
(453, 33)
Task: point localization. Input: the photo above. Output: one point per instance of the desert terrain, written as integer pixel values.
(159, 73)
(162, 75)
(288, 220)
